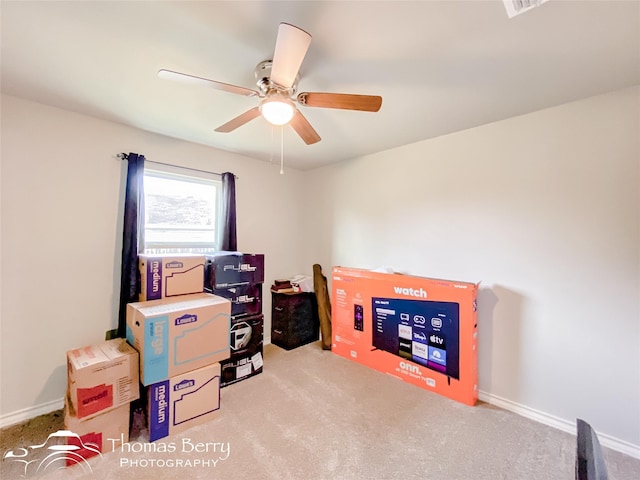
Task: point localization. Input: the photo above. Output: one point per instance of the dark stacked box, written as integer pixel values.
(239, 278)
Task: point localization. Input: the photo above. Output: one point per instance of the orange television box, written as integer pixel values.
(421, 330)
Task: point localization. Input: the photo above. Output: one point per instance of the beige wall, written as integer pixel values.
(62, 205)
(544, 210)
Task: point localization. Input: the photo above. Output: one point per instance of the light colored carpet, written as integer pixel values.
(314, 415)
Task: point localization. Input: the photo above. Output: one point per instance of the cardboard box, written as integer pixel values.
(183, 401)
(231, 269)
(104, 432)
(245, 299)
(102, 377)
(176, 335)
(422, 330)
(170, 275)
(246, 342)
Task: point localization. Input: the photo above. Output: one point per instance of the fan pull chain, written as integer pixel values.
(272, 142)
(282, 150)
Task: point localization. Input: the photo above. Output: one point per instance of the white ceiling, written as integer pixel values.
(440, 66)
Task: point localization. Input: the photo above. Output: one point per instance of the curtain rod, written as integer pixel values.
(124, 156)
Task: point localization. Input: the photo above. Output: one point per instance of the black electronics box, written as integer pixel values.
(245, 299)
(246, 342)
(232, 269)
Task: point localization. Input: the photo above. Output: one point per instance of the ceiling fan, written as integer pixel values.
(277, 80)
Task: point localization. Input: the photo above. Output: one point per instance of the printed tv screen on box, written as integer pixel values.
(421, 330)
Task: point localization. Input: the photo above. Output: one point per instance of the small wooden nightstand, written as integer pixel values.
(294, 319)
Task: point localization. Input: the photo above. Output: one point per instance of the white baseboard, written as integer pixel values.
(30, 412)
(608, 441)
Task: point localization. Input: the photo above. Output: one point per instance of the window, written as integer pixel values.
(182, 210)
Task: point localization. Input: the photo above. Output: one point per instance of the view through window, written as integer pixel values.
(182, 212)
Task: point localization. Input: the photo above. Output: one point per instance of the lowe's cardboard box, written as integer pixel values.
(176, 335)
(100, 434)
(183, 401)
(246, 342)
(102, 377)
(170, 275)
(421, 330)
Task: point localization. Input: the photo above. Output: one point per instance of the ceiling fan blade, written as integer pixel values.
(205, 82)
(303, 128)
(291, 47)
(365, 103)
(239, 121)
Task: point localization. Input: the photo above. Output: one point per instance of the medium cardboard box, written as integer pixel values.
(170, 275)
(246, 342)
(183, 401)
(245, 299)
(176, 335)
(230, 269)
(102, 376)
(104, 432)
(422, 330)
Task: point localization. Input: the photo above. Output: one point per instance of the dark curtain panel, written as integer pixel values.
(132, 237)
(228, 240)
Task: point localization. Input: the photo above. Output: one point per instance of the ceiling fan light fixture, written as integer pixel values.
(277, 80)
(277, 110)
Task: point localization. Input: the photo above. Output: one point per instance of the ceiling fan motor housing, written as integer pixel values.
(263, 80)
